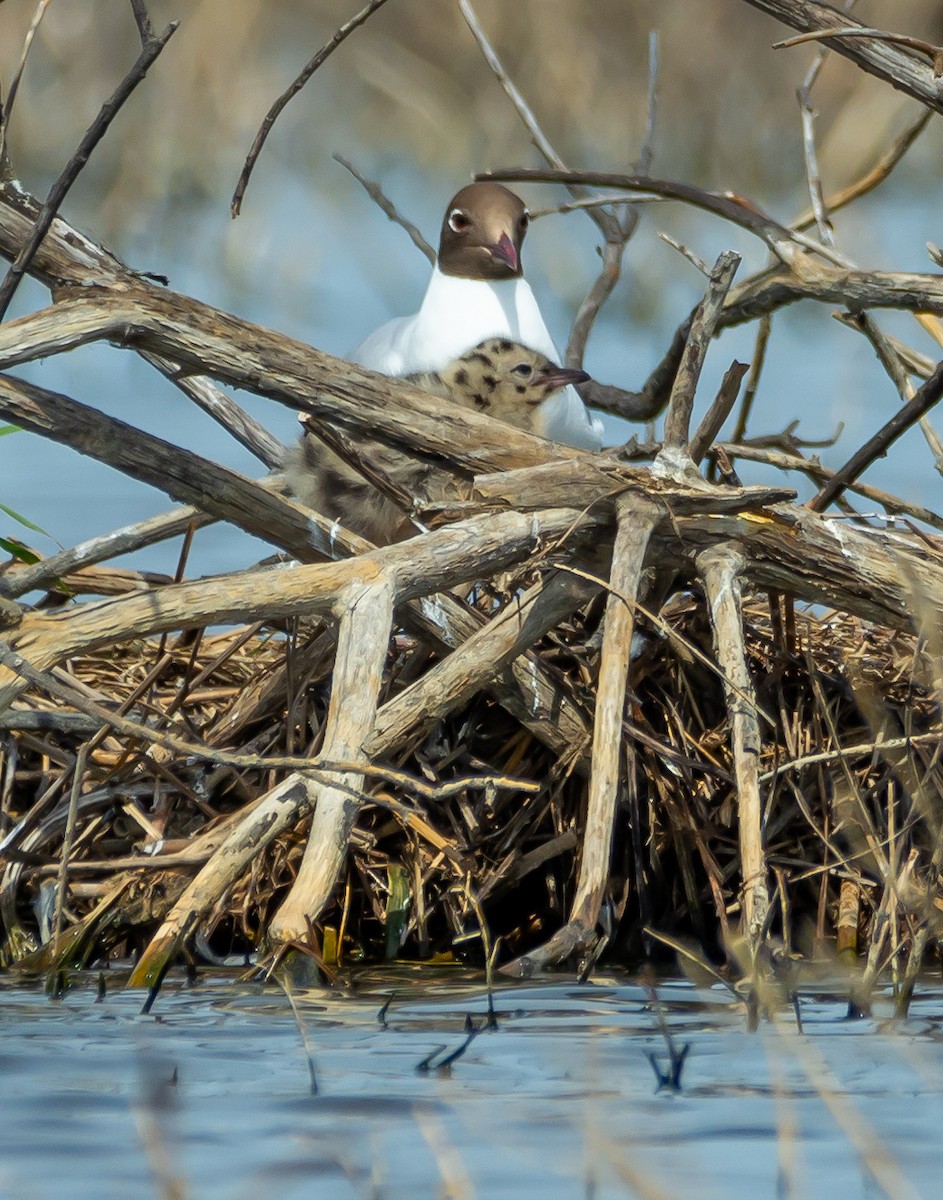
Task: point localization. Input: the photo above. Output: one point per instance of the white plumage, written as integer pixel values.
(476, 292)
(457, 314)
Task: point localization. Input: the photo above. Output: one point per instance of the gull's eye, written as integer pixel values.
(525, 370)
(524, 221)
(458, 221)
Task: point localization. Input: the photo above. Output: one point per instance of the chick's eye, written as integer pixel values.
(525, 370)
(524, 221)
(458, 221)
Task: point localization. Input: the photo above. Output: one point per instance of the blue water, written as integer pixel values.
(558, 1102)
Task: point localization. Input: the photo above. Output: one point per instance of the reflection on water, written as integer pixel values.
(212, 1090)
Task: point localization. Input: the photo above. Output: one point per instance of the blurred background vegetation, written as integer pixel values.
(411, 84)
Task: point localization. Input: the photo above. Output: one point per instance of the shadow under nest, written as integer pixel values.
(424, 877)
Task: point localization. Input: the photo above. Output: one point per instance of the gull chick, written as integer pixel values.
(498, 377)
(477, 291)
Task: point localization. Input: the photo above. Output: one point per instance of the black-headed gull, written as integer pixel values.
(477, 291)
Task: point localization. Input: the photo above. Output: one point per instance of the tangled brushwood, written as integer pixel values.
(600, 703)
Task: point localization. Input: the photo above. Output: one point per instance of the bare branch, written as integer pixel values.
(18, 580)
(927, 396)
(376, 194)
(683, 250)
(782, 241)
(643, 164)
(756, 369)
(224, 410)
(604, 219)
(18, 73)
(873, 52)
(934, 53)
(143, 22)
(93, 135)
(873, 177)
(813, 178)
(678, 419)
(784, 461)
(275, 111)
(714, 418)
(893, 363)
(180, 473)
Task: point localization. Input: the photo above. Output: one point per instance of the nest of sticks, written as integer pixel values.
(850, 723)
(595, 706)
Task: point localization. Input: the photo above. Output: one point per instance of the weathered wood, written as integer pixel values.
(185, 476)
(65, 255)
(449, 684)
(223, 409)
(276, 812)
(821, 559)
(703, 327)
(268, 817)
(720, 569)
(896, 65)
(585, 482)
(24, 577)
(366, 615)
(434, 562)
(636, 517)
(209, 341)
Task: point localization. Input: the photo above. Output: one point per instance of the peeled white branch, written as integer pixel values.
(720, 569)
(366, 616)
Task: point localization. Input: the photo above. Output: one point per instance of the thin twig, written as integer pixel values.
(892, 362)
(303, 765)
(874, 176)
(934, 53)
(683, 250)
(567, 206)
(274, 112)
(605, 219)
(807, 113)
(617, 234)
(383, 202)
(143, 22)
(18, 73)
(924, 399)
(93, 135)
(813, 177)
(643, 165)
(783, 460)
(784, 242)
(753, 379)
(241, 425)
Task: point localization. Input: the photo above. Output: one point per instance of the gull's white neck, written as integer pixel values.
(457, 313)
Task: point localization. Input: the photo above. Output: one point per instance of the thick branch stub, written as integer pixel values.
(720, 570)
(279, 810)
(703, 327)
(366, 618)
(637, 518)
